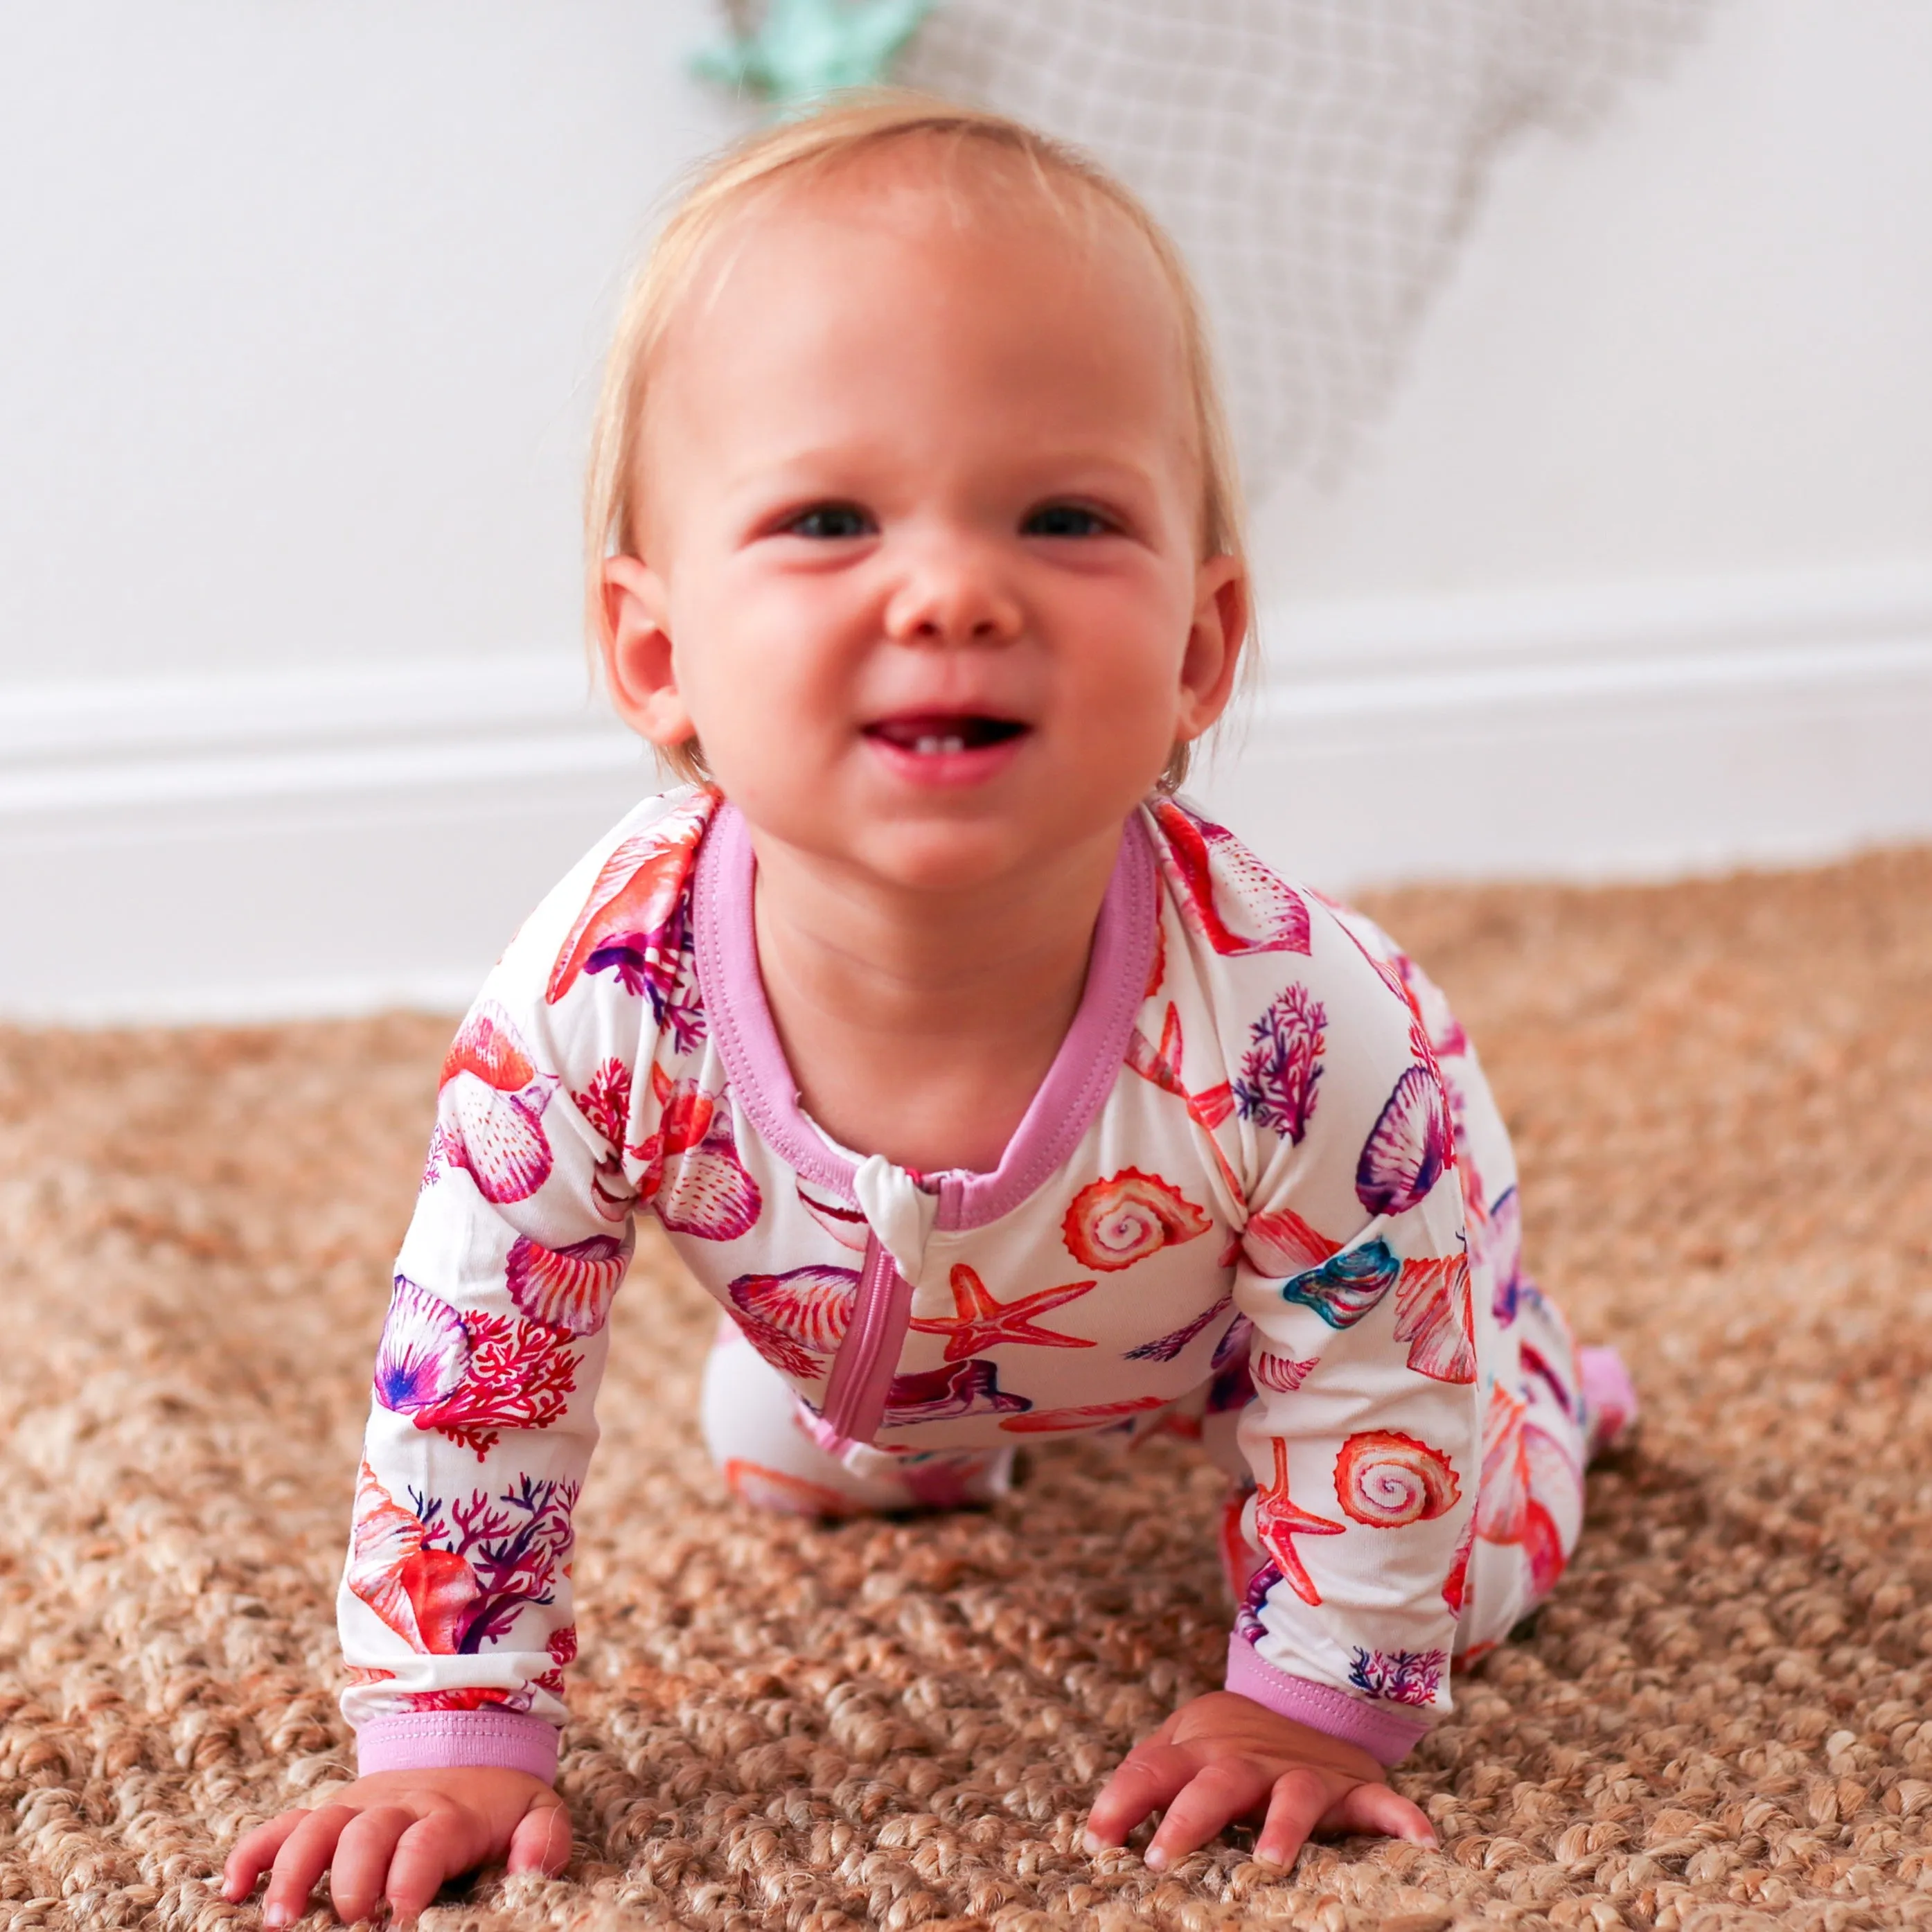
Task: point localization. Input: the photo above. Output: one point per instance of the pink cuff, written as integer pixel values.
(1386, 1738)
(452, 1740)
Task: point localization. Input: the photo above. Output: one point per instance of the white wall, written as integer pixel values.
(298, 309)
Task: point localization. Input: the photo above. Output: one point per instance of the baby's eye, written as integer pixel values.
(828, 523)
(1064, 520)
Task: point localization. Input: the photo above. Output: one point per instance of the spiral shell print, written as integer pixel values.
(1115, 1222)
(1389, 1481)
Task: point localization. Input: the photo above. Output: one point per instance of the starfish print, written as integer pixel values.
(983, 1323)
(1279, 1519)
(1161, 1065)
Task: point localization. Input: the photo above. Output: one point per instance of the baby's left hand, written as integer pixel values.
(1225, 1757)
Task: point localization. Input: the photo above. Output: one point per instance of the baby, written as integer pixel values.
(993, 1092)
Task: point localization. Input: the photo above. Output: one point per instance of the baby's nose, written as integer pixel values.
(952, 595)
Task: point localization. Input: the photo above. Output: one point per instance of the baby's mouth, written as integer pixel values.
(933, 734)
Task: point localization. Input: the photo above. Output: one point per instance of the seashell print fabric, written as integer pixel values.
(1281, 1220)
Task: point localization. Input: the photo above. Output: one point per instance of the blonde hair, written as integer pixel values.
(809, 149)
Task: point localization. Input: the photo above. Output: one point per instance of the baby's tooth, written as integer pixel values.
(952, 744)
(926, 747)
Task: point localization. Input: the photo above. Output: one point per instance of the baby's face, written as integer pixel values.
(920, 564)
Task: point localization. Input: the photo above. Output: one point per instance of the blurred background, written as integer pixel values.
(1578, 347)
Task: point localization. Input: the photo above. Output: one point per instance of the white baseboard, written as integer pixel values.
(245, 848)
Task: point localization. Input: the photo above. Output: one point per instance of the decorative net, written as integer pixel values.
(1318, 160)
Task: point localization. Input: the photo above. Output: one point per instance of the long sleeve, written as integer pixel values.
(454, 1611)
(1364, 1431)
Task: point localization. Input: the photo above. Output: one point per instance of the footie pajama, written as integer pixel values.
(1263, 1196)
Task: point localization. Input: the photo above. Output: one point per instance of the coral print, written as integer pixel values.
(634, 924)
(1388, 1480)
(1432, 1315)
(1279, 1519)
(1398, 1676)
(570, 1288)
(979, 1322)
(1346, 1285)
(1115, 1222)
(1409, 1148)
(691, 1168)
(1282, 1065)
(1264, 915)
(794, 1319)
(469, 1375)
(448, 1587)
(493, 1102)
(606, 1102)
(945, 1395)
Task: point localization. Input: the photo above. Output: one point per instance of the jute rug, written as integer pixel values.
(1724, 1097)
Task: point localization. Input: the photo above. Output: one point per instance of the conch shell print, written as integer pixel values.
(1115, 1222)
(946, 1395)
(1252, 912)
(1389, 1481)
(568, 1288)
(1409, 1149)
(631, 924)
(691, 1168)
(783, 1494)
(1432, 1315)
(425, 1595)
(490, 1109)
(793, 1319)
(845, 1223)
(1086, 1415)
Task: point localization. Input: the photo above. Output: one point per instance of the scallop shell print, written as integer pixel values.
(568, 1288)
(1433, 1315)
(1388, 1480)
(424, 1352)
(1409, 1149)
(794, 1318)
(1278, 1241)
(706, 1190)
(1115, 1222)
(491, 1105)
(1245, 909)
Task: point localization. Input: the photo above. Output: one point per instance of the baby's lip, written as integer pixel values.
(935, 732)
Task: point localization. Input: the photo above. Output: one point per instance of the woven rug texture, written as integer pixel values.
(1722, 1092)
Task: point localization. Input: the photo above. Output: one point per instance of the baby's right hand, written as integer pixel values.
(399, 1835)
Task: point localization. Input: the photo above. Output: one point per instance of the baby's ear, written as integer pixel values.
(1214, 641)
(638, 662)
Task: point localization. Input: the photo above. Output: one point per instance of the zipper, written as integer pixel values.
(862, 1372)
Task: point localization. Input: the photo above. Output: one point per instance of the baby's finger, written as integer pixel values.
(357, 1873)
(254, 1854)
(433, 1849)
(1147, 1779)
(1303, 1798)
(1228, 1788)
(1375, 1810)
(303, 1858)
(541, 1840)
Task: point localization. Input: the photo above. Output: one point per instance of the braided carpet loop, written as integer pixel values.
(1722, 1093)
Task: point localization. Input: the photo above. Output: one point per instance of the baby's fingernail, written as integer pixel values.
(1091, 1843)
(273, 1915)
(1156, 1859)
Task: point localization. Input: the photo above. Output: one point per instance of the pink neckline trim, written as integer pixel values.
(1076, 1085)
